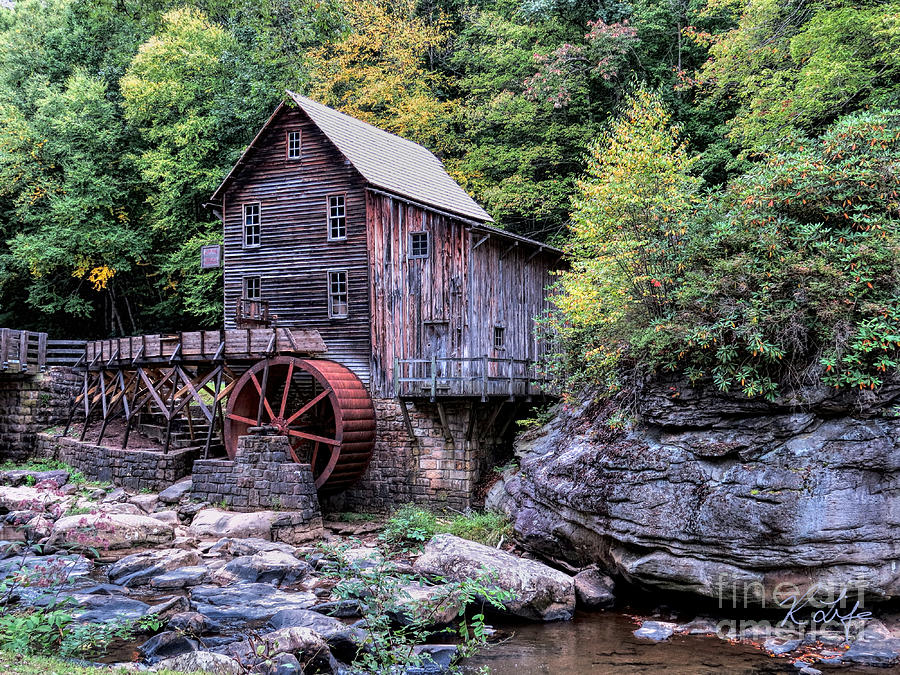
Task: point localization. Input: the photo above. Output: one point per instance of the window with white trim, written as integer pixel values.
(294, 144)
(252, 288)
(337, 217)
(251, 225)
(419, 243)
(338, 294)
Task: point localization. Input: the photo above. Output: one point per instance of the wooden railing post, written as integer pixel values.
(397, 376)
(23, 350)
(433, 378)
(4, 348)
(510, 366)
(484, 377)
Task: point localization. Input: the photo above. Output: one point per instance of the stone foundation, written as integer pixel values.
(430, 469)
(31, 404)
(262, 476)
(131, 469)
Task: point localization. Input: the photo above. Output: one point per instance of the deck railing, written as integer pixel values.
(22, 351)
(483, 376)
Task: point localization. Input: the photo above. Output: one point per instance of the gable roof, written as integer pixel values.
(384, 160)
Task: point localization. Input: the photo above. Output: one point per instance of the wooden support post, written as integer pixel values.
(106, 410)
(170, 413)
(408, 423)
(42, 351)
(4, 348)
(510, 365)
(470, 430)
(23, 350)
(484, 378)
(445, 425)
(216, 406)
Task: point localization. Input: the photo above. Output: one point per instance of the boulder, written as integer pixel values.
(139, 568)
(114, 495)
(33, 499)
(438, 604)
(271, 567)
(299, 641)
(145, 502)
(182, 577)
(170, 517)
(101, 608)
(875, 652)
(541, 592)
(245, 603)
(166, 645)
(250, 546)
(435, 659)
(718, 495)
(594, 590)
(343, 609)
(109, 532)
(215, 524)
(56, 571)
(18, 477)
(343, 640)
(283, 664)
(192, 623)
(176, 492)
(166, 609)
(201, 662)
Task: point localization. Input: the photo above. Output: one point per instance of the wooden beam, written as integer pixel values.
(480, 241)
(408, 423)
(445, 425)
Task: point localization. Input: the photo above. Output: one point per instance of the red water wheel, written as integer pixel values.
(321, 406)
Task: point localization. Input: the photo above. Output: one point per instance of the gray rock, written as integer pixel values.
(94, 608)
(137, 569)
(343, 640)
(109, 532)
(418, 600)
(717, 495)
(343, 609)
(166, 645)
(594, 590)
(168, 608)
(18, 477)
(780, 647)
(170, 517)
(116, 495)
(655, 630)
(250, 546)
(272, 567)
(181, 577)
(283, 664)
(215, 524)
(145, 502)
(192, 623)
(435, 659)
(873, 652)
(541, 592)
(295, 641)
(245, 603)
(175, 492)
(201, 662)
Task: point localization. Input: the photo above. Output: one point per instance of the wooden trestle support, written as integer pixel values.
(233, 380)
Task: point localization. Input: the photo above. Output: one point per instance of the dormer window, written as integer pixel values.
(337, 217)
(294, 144)
(251, 225)
(419, 245)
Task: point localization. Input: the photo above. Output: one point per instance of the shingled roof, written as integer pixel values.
(386, 161)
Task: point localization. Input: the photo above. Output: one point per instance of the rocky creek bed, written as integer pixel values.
(228, 597)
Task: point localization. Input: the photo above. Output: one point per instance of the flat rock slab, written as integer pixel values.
(109, 531)
(541, 592)
(246, 603)
(175, 492)
(18, 477)
(215, 524)
(271, 567)
(183, 577)
(139, 568)
(93, 608)
(201, 662)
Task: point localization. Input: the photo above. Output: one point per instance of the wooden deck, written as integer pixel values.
(234, 344)
(483, 377)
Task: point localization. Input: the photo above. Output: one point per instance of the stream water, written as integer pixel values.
(603, 643)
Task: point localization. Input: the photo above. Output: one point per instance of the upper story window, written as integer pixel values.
(251, 225)
(499, 337)
(338, 297)
(419, 243)
(294, 144)
(337, 217)
(252, 288)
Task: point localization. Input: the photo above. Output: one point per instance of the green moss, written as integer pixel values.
(17, 664)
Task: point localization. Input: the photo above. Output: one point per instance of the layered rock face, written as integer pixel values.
(719, 496)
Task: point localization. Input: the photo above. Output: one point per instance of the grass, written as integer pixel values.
(411, 526)
(352, 517)
(35, 465)
(18, 664)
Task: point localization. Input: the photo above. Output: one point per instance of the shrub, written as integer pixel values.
(409, 527)
(488, 527)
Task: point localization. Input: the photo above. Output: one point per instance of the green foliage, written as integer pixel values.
(378, 589)
(411, 526)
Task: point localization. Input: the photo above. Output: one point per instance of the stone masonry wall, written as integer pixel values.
(430, 470)
(131, 469)
(262, 476)
(31, 404)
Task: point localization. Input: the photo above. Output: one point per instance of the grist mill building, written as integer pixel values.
(334, 225)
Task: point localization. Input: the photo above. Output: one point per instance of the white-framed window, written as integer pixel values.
(338, 294)
(294, 144)
(419, 245)
(251, 225)
(252, 288)
(499, 337)
(337, 217)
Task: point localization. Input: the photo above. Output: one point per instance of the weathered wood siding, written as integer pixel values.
(294, 253)
(447, 304)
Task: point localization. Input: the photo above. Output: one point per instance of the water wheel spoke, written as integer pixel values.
(241, 418)
(313, 437)
(264, 399)
(308, 406)
(315, 454)
(287, 388)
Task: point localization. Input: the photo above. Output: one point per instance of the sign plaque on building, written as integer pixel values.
(211, 257)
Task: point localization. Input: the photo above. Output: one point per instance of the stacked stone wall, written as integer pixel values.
(29, 404)
(262, 476)
(431, 469)
(131, 469)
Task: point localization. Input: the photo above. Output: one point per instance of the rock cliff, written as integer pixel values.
(717, 495)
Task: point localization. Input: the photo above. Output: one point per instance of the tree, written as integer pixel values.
(627, 229)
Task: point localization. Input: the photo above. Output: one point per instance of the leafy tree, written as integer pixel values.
(625, 237)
